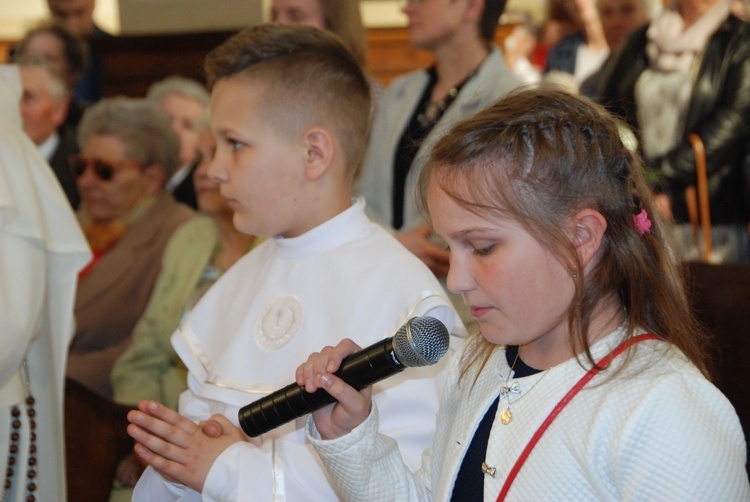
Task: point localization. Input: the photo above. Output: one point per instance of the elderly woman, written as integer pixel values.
(688, 71)
(66, 52)
(183, 100)
(128, 151)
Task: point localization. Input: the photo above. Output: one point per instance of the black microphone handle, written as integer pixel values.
(363, 368)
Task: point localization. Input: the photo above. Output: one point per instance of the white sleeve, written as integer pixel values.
(153, 487)
(683, 443)
(285, 468)
(367, 466)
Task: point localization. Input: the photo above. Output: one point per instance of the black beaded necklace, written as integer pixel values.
(12, 472)
(435, 109)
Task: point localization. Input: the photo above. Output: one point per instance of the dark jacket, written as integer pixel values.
(562, 56)
(719, 112)
(59, 163)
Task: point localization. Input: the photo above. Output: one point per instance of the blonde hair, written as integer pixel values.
(344, 19)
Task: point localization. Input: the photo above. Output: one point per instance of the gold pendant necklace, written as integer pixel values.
(506, 416)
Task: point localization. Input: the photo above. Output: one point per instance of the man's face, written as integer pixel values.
(41, 113)
(77, 14)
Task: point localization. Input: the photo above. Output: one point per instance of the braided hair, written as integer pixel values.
(538, 156)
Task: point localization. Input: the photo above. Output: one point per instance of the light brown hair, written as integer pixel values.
(310, 77)
(538, 157)
(345, 20)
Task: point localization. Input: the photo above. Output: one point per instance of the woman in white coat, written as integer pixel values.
(469, 73)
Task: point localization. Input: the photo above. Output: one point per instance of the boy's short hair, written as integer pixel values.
(310, 77)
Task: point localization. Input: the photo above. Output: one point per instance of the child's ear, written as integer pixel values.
(588, 232)
(318, 152)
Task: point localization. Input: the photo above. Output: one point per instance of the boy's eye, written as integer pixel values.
(484, 251)
(234, 144)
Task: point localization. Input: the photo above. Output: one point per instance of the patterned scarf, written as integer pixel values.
(672, 47)
(102, 236)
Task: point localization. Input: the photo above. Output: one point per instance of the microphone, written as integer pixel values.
(422, 341)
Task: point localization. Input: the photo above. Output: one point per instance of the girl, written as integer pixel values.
(588, 380)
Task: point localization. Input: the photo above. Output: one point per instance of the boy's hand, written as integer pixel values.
(417, 240)
(176, 447)
(129, 470)
(352, 407)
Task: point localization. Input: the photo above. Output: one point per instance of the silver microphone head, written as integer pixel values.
(422, 341)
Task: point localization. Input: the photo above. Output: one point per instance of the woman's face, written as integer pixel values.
(305, 12)
(183, 113)
(109, 200)
(209, 196)
(433, 23)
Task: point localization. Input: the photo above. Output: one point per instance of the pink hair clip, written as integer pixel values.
(642, 223)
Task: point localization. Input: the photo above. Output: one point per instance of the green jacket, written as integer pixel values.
(149, 368)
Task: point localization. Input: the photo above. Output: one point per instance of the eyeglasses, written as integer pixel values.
(103, 170)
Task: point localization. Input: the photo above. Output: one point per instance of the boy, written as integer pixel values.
(290, 110)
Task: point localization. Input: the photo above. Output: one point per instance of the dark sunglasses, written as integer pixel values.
(102, 169)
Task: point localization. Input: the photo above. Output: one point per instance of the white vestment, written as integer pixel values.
(267, 314)
(41, 251)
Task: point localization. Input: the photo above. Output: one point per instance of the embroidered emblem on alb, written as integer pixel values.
(278, 322)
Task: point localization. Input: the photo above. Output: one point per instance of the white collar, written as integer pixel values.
(48, 147)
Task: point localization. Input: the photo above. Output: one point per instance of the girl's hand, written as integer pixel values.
(352, 407)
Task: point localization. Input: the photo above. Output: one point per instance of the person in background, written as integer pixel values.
(588, 378)
(128, 151)
(198, 253)
(183, 100)
(619, 18)
(42, 249)
(341, 18)
(579, 54)
(469, 73)
(78, 15)
(688, 72)
(288, 150)
(519, 45)
(44, 105)
(741, 9)
(66, 53)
